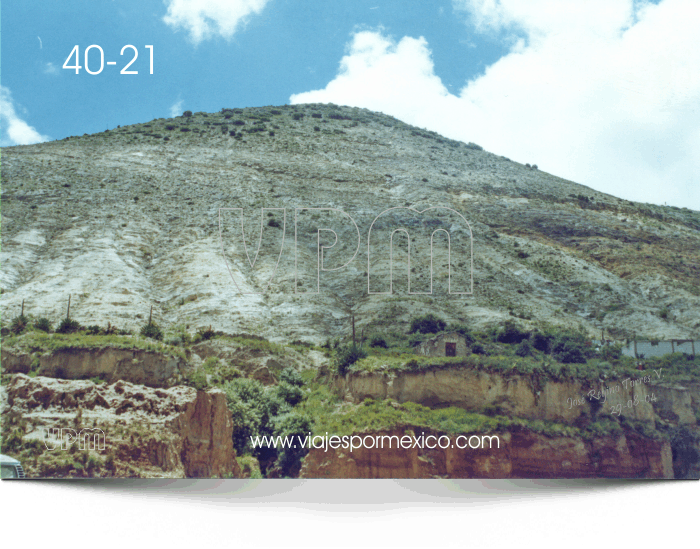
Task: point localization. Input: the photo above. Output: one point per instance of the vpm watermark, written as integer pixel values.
(63, 439)
(434, 226)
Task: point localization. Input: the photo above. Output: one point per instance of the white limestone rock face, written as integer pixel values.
(124, 219)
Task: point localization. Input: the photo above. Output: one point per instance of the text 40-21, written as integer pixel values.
(617, 409)
(128, 49)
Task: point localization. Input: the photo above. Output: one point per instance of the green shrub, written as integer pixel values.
(93, 330)
(211, 362)
(347, 356)
(152, 330)
(512, 333)
(524, 348)
(93, 463)
(198, 379)
(291, 394)
(205, 334)
(611, 352)
(19, 324)
(377, 341)
(187, 114)
(542, 342)
(43, 324)
(225, 374)
(68, 326)
(249, 467)
(291, 376)
(427, 324)
(12, 443)
(479, 349)
(569, 348)
(274, 223)
(253, 409)
(292, 425)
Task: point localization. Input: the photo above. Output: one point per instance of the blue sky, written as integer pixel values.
(604, 92)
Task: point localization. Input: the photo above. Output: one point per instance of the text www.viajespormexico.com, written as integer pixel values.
(354, 442)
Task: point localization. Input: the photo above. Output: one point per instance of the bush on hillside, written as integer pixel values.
(347, 356)
(43, 324)
(427, 324)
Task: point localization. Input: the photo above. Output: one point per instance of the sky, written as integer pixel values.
(603, 92)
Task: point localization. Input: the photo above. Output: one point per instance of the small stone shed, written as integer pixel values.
(450, 344)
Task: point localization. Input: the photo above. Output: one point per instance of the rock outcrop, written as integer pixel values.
(522, 454)
(527, 396)
(174, 432)
(137, 366)
(206, 429)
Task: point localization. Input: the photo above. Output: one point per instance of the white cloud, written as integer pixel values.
(14, 130)
(176, 108)
(204, 19)
(50, 68)
(604, 92)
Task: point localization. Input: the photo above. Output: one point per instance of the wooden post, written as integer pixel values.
(68, 310)
(673, 346)
(22, 313)
(692, 345)
(150, 316)
(353, 330)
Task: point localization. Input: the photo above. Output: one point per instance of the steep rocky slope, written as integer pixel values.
(129, 218)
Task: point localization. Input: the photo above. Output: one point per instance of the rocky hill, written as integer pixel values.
(129, 218)
(251, 238)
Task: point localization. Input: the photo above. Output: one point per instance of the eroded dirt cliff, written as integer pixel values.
(148, 432)
(521, 455)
